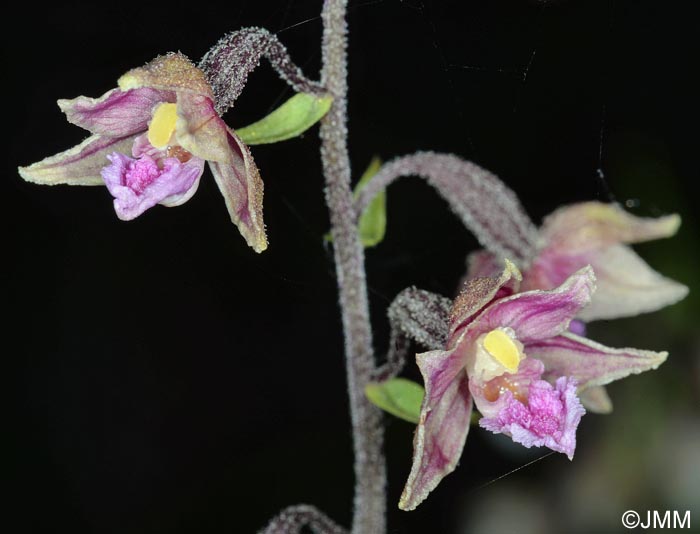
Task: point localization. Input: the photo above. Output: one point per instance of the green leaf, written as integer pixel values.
(372, 223)
(398, 396)
(292, 118)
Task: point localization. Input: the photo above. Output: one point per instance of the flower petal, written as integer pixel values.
(627, 286)
(535, 315)
(174, 186)
(116, 113)
(590, 225)
(578, 327)
(596, 399)
(171, 72)
(549, 418)
(443, 427)
(591, 363)
(200, 130)
(478, 293)
(239, 181)
(487, 394)
(80, 165)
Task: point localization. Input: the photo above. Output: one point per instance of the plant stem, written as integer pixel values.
(369, 512)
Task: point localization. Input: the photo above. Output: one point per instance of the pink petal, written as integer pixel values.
(116, 113)
(549, 418)
(591, 363)
(143, 147)
(536, 315)
(240, 184)
(443, 427)
(488, 396)
(80, 165)
(138, 185)
(578, 327)
(552, 267)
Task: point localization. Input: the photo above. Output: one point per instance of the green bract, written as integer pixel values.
(372, 223)
(292, 118)
(371, 226)
(398, 396)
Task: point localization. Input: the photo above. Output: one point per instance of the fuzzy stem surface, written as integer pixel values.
(369, 512)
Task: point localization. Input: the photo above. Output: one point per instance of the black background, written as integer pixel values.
(171, 380)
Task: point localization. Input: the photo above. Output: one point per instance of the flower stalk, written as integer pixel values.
(367, 430)
(484, 204)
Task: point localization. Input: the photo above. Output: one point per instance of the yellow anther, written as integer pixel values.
(162, 125)
(503, 348)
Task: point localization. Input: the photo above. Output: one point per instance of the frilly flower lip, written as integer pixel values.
(597, 234)
(513, 355)
(150, 138)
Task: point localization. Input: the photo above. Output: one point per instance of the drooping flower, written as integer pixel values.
(150, 139)
(596, 234)
(513, 355)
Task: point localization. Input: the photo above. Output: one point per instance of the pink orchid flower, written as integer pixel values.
(596, 234)
(150, 139)
(513, 355)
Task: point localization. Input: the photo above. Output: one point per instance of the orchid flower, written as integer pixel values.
(150, 139)
(596, 234)
(513, 355)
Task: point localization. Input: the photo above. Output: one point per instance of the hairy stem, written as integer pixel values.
(370, 471)
(229, 62)
(486, 206)
(293, 519)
